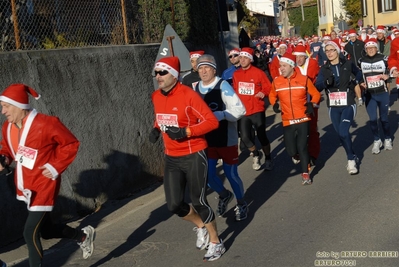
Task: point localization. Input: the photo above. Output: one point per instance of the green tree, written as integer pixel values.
(249, 23)
(195, 21)
(353, 10)
(307, 26)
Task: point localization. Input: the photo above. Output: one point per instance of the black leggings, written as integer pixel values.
(191, 170)
(245, 126)
(39, 224)
(296, 142)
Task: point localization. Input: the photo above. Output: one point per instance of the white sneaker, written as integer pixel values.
(202, 237)
(360, 102)
(388, 144)
(87, 245)
(256, 163)
(215, 251)
(376, 147)
(351, 167)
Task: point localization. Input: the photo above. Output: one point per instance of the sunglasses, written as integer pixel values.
(233, 56)
(161, 72)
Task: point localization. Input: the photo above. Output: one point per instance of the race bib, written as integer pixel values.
(374, 81)
(246, 88)
(165, 120)
(338, 99)
(316, 48)
(26, 156)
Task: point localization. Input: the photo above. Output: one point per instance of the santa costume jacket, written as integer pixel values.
(56, 148)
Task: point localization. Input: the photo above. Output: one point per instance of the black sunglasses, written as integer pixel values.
(160, 72)
(233, 56)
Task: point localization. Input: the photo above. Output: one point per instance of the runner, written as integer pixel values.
(192, 78)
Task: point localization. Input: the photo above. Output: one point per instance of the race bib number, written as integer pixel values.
(26, 156)
(246, 88)
(338, 99)
(165, 120)
(316, 48)
(374, 81)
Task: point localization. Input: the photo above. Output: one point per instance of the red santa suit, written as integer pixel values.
(393, 59)
(43, 141)
(274, 67)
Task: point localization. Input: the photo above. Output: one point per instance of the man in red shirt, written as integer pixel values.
(309, 67)
(184, 119)
(252, 86)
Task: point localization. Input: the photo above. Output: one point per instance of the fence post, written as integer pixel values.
(124, 22)
(15, 23)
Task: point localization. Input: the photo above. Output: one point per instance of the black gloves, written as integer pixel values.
(329, 81)
(154, 135)
(176, 133)
(309, 109)
(276, 108)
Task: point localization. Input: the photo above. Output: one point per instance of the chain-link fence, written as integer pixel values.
(48, 24)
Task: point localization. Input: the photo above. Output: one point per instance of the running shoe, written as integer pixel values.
(2, 264)
(223, 202)
(376, 147)
(202, 237)
(351, 167)
(269, 165)
(388, 144)
(241, 212)
(256, 163)
(306, 179)
(295, 159)
(87, 245)
(360, 102)
(215, 251)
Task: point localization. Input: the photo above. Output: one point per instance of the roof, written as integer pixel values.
(297, 3)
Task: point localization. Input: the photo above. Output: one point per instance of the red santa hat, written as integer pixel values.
(282, 45)
(171, 64)
(380, 29)
(234, 51)
(395, 31)
(300, 50)
(247, 52)
(326, 37)
(334, 44)
(371, 42)
(288, 58)
(196, 54)
(352, 33)
(18, 95)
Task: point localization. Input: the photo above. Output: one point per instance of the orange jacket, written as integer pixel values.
(292, 94)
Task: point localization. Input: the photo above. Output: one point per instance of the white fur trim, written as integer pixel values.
(246, 54)
(288, 61)
(14, 103)
(164, 66)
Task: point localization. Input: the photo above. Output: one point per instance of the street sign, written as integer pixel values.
(360, 23)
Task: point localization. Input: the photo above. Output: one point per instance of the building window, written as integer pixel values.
(386, 5)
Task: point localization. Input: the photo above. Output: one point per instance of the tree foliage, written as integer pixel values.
(249, 23)
(194, 20)
(309, 25)
(353, 10)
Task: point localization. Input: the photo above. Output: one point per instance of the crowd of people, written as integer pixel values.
(203, 118)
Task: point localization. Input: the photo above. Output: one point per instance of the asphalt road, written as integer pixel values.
(340, 220)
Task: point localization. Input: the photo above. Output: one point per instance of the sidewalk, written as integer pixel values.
(16, 254)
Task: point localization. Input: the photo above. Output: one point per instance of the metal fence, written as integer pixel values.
(49, 24)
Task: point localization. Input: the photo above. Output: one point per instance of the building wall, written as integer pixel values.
(371, 16)
(328, 10)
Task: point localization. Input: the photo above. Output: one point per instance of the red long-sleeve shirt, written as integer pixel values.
(247, 83)
(183, 107)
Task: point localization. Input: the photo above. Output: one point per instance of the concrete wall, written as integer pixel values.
(103, 96)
